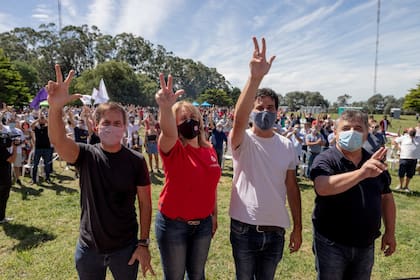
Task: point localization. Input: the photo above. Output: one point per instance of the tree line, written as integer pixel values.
(130, 66)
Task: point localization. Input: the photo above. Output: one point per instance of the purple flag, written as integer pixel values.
(40, 96)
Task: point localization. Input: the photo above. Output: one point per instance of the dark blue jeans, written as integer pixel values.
(256, 254)
(336, 262)
(183, 247)
(91, 265)
(46, 155)
(310, 161)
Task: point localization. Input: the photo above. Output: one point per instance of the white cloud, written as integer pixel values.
(102, 13)
(145, 18)
(43, 14)
(305, 20)
(6, 22)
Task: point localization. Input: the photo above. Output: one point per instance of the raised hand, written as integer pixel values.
(259, 65)
(375, 165)
(166, 97)
(58, 92)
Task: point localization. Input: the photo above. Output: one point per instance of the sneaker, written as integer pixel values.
(398, 188)
(407, 190)
(6, 220)
(32, 183)
(48, 181)
(19, 182)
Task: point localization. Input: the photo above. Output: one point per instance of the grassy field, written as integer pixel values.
(39, 243)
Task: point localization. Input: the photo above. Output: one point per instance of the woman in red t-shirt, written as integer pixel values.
(187, 216)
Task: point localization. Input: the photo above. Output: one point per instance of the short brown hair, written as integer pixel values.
(109, 106)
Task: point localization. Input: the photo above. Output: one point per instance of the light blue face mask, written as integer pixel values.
(350, 140)
(264, 120)
(12, 125)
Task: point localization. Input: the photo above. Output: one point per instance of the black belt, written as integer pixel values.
(195, 222)
(260, 228)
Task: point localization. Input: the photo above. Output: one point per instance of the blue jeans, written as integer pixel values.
(335, 261)
(46, 155)
(310, 161)
(256, 254)
(183, 247)
(92, 265)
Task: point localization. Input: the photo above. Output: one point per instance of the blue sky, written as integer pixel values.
(321, 45)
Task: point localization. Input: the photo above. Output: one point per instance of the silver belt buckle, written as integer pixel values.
(257, 228)
(193, 222)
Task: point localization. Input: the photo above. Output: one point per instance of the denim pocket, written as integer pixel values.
(323, 239)
(238, 227)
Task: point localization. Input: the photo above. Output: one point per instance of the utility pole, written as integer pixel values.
(377, 46)
(59, 16)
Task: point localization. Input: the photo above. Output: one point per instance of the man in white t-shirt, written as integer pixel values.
(409, 147)
(264, 175)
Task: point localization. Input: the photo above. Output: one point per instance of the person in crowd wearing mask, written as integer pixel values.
(375, 139)
(409, 147)
(218, 138)
(28, 143)
(314, 142)
(385, 124)
(111, 178)
(132, 129)
(6, 160)
(187, 216)
(264, 167)
(150, 142)
(352, 194)
(297, 139)
(19, 137)
(42, 147)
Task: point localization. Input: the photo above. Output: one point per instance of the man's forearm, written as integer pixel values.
(388, 212)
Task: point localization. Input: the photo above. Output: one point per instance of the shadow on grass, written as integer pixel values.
(57, 188)
(29, 237)
(305, 184)
(157, 178)
(62, 178)
(27, 191)
(411, 193)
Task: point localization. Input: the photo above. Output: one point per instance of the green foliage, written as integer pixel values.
(412, 100)
(29, 76)
(12, 89)
(296, 99)
(122, 84)
(215, 97)
(81, 48)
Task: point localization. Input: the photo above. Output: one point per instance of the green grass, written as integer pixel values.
(39, 243)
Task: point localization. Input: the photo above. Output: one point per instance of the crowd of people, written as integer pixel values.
(345, 158)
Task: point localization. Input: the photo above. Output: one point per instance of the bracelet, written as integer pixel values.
(144, 242)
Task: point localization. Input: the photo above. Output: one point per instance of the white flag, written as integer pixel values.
(94, 93)
(86, 99)
(102, 92)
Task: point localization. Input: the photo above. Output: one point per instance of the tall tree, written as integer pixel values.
(12, 88)
(412, 100)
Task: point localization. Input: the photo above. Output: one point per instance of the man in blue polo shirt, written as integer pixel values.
(352, 194)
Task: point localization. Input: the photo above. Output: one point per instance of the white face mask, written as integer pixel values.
(219, 129)
(110, 135)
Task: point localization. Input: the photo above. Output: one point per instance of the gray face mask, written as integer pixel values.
(264, 120)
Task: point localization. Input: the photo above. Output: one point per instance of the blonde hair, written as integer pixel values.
(202, 140)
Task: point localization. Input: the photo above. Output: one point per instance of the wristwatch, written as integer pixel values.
(144, 242)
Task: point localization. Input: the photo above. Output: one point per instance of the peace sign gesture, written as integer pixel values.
(259, 65)
(58, 92)
(166, 97)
